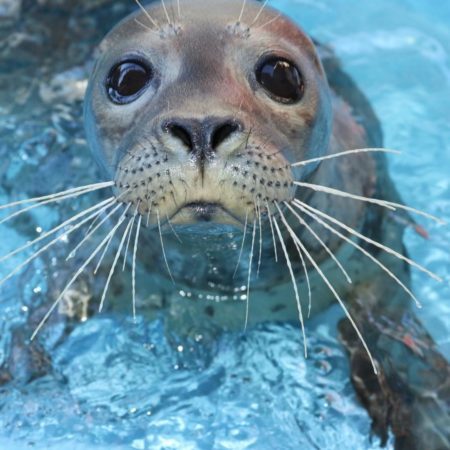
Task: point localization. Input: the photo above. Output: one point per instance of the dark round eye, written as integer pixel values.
(282, 79)
(127, 80)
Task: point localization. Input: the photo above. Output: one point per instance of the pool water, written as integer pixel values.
(117, 384)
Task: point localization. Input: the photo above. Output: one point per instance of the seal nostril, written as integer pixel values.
(222, 133)
(182, 134)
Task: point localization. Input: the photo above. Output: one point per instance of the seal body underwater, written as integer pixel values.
(223, 131)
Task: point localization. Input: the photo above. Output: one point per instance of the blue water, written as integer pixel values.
(117, 384)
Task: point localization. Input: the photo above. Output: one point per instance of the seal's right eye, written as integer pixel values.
(127, 81)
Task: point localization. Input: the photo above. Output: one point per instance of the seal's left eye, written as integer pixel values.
(127, 80)
(281, 79)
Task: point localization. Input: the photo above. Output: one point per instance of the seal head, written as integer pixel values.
(198, 116)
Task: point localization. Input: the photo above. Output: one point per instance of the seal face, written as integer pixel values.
(200, 119)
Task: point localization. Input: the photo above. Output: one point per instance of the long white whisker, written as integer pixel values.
(46, 202)
(130, 232)
(345, 153)
(93, 223)
(386, 204)
(370, 241)
(273, 233)
(268, 22)
(336, 295)
(308, 283)
(305, 271)
(92, 231)
(165, 12)
(148, 215)
(149, 17)
(108, 243)
(59, 194)
(43, 249)
(179, 9)
(162, 247)
(303, 222)
(99, 217)
(133, 281)
(242, 11)
(250, 263)
(73, 279)
(102, 256)
(242, 244)
(294, 284)
(326, 248)
(259, 13)
(258, 210)
(116, 258)
(98, 208)
(173, 230)
(151, 30)
(328, 190)
(361, 249)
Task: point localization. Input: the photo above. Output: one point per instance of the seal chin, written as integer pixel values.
(201, 212)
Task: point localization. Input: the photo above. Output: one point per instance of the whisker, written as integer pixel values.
(73, 279)
(173, 230)
(336, 295)
(149, 17)
(258, 210)
(250, 263)
(121, 219)
(129, 239)
(46, 202)
(370, 241)
(151, 30)
(268, 22)
(43, 249)
(133, 281)
(326, 248)
(328, 190)
(305, 271)
(308, 283)
(294, 284)
(330, 253)
(98, 208)
(345, 153)
(273, 233)
(162, 247)
(92, 231)
(94, 222)
(163, 3)
(116, 258)
(386, 204)
(242, 11)
(242, 244)
(179, 9)
(96, 186)
(102, 256)
(362, 250)
(259, 13)
(148, 215)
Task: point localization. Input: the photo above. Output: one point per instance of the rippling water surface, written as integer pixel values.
(116, 384)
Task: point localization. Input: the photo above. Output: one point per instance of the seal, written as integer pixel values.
(248, 162)
(200, 117)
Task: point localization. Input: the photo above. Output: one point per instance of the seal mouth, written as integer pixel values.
(204, 212)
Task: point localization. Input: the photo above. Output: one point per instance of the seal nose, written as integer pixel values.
(202, 136)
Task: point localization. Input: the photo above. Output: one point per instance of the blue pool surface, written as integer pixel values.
(117, 384)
